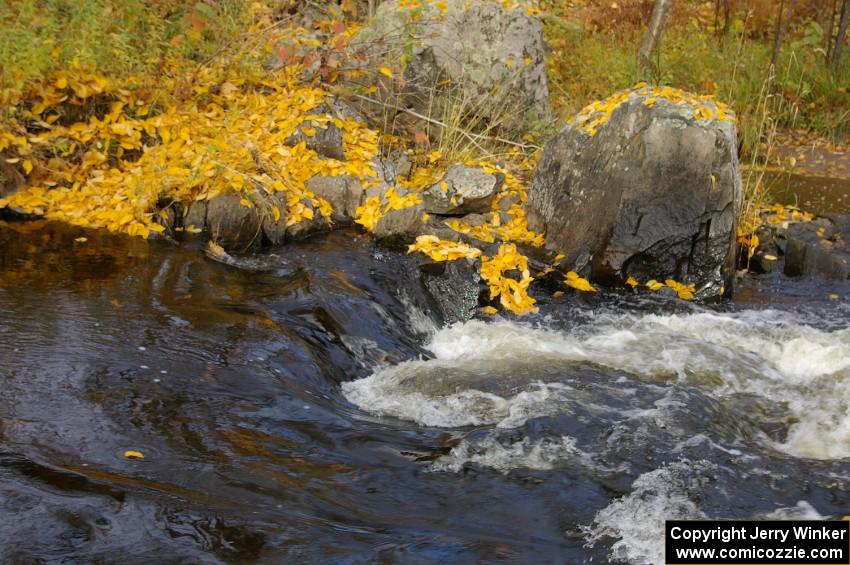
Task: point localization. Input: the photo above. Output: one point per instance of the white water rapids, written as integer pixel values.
(500, 375)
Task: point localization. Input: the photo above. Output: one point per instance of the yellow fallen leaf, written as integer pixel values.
(81, 239)
(833, 297)
(489, 310)
(61, 82)
(27, 165)
(131, 454)
(245, 202)
(654, 285)
(770, 257)
(386, 72)
(276, 213)
(572, 279)
(631, 282)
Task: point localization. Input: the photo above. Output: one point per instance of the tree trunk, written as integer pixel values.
(828, 33)
(781, 28)
(842, 35)
(653, 33)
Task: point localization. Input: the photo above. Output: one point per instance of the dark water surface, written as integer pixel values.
(309, 409)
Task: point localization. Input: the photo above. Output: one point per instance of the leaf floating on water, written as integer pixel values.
(131, 454)
(770, 257)
(81, 239)
(833, 297)
(631, 282)
(489, 310)
(654, 285)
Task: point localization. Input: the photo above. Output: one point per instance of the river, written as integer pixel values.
(311, 409)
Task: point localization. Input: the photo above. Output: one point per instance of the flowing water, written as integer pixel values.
(310, 408)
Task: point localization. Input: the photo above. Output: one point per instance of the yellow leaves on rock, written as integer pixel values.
(632, 282)
(683, 291)
(512, 292)
(700, 107)
(515, 229)
(368, 214)
(572, 279)
(111, 171)
(442, 250)
(395, 201)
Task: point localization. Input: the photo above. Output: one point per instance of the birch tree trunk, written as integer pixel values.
(653, 33)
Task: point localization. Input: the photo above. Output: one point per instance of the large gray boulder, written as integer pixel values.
(477, 51)
(644, 184)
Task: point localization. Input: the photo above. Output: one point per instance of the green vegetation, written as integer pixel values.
(589, 63)
(112, 38)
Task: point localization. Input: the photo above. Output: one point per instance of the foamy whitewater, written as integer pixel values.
(495, 377)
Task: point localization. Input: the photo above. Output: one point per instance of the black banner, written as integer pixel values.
(766, 542)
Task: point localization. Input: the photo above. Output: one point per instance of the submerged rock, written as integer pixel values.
(646, 185)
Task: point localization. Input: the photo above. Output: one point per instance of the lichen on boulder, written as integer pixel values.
(455, 51)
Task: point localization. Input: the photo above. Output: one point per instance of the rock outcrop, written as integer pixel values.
(474, 50)
(816, 248)
(644, 184)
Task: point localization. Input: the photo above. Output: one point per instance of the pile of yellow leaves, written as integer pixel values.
(229, 137)
(597, 113)
(112, 153)
(442, 250)
(512, 293)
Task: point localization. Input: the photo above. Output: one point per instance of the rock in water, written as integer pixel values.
(454, 287)
(232, 225)
(818, 248)
(644, 184)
